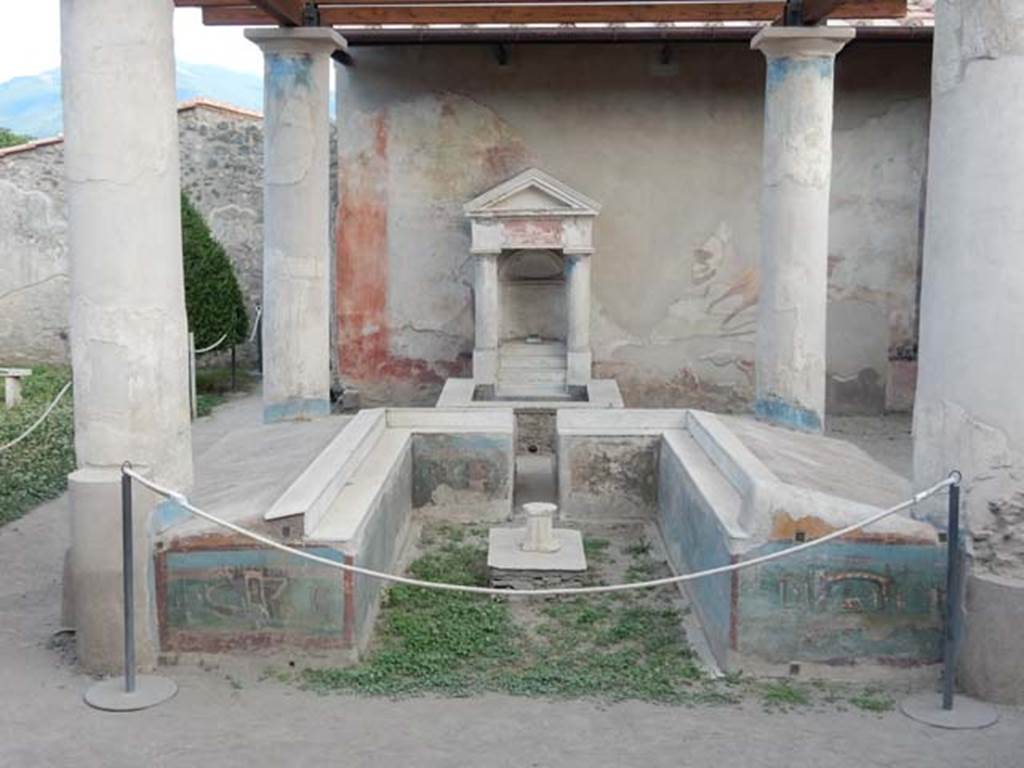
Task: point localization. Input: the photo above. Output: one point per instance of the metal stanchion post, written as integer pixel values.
(928, 708)
(129, 692)
(953, 614)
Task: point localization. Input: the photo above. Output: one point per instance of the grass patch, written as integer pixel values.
(36, 469)
(784, 694)
(206, 403)
(455, 644)
(431, 641)
(621, 646)
(216, 380)
(213, 385)
(595, 548)
(873, 700)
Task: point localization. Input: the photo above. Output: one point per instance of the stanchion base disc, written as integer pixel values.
(111, 696)
(966, 713)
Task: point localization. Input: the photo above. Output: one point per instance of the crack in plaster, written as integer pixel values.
(29, 286)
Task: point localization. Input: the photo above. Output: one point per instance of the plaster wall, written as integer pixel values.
(607, 479)
(466, 477)
(968, 415)
(673, 153)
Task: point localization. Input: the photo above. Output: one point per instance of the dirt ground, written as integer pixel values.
(226, 715)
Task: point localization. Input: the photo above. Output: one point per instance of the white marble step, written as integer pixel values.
(532, 391)
(348, 512)
(549, 362)
(522, 349)
(526, 376)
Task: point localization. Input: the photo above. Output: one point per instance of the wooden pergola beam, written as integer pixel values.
(287, 12)
(347, 12)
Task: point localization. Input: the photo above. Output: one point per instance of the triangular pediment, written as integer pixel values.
(532, 193)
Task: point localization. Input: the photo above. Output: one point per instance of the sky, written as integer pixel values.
(30, 40)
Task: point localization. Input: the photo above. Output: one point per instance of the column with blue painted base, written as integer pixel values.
(796, 177)
(296, 216)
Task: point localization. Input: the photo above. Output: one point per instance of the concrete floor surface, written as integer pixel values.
(229, 718)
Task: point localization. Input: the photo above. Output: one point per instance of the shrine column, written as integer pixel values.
(128, 327)
(577, 268)
(487, 318)
(796, 178)
(296, 220)
(967, 412)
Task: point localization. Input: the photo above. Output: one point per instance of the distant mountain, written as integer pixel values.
(31, 105)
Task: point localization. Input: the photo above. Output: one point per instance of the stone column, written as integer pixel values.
(487, 319)
(577, 279)
(128, 328)
(967, 412)
(296, 220)
(796, 177)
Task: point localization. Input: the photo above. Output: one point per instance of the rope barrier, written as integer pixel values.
(213, 346)
(38, 421)
(182, 500)
(256, 323)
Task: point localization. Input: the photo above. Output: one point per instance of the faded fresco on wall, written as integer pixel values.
(467, 476)
(674, 159)
(844, 601)
(247, 599)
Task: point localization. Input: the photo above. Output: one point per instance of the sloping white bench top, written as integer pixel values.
(356, 462)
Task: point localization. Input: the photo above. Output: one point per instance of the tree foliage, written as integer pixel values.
(213, 299)
(9, 138)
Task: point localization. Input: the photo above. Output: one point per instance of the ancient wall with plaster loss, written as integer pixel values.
(221, 170)
(968, 414)
(673, 153)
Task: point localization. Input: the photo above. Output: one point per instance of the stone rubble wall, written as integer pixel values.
(221, 171)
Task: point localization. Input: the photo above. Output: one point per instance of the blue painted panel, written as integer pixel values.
(844, 600)
(244, 597)
(778, 411)
(695, 541)
(305, 408)
(782, 69)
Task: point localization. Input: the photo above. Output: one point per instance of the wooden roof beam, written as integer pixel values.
(817, 11)
(290, 13)
(343, 12)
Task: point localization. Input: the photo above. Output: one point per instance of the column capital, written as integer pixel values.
(802, 42)
(296, 39)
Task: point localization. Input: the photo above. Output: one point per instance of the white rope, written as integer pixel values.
(38, 421)
(181, 500)
(256, 323)
(213, 346)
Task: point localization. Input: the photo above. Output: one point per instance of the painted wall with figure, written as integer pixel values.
(673, 153)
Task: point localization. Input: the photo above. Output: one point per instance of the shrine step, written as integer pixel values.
(524, 376)
(522, 349)
(532, 392)
(549, 362)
